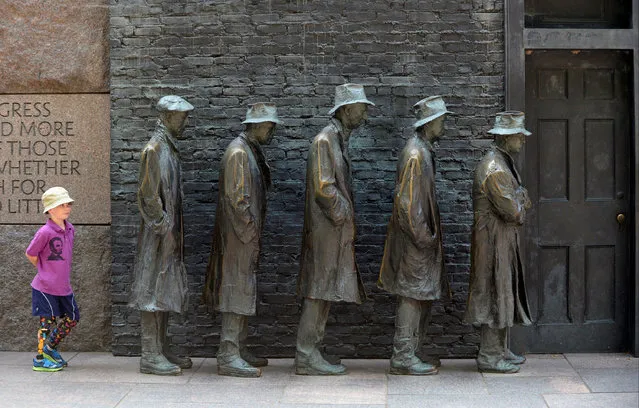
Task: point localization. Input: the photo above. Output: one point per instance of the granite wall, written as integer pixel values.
(223, 55)
(53, 55)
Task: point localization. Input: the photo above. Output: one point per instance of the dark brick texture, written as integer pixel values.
(223, 55)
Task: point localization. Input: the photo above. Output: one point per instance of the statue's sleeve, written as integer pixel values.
(523, 193)
(237, 187)
(508, 203)
(332, 202)
(149, 192)
(414, 207)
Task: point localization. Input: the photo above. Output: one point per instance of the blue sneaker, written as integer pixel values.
(54, 356)
(46, 365)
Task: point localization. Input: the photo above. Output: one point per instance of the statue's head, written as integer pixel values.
(351, 105)
(261, 119)
(430, 113)
(510, 133)
(174, 112)
(352, 115)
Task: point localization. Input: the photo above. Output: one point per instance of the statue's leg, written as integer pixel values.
(152, 360)
(229, 360)
(509, 355)
(308, 359)
(408, 320)
(491, 352)
(244, 351)
(182, 362)
(427, 306)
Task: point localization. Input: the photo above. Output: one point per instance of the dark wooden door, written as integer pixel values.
(577, 172)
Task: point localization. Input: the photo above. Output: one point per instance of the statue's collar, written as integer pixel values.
(427, 143)
(166, 134)
(338, 126)
(505, 153)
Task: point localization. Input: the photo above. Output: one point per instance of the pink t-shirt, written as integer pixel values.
(54, 248)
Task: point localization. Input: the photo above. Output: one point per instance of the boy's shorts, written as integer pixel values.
(43, 304)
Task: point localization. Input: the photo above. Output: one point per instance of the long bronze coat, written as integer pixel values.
(327, 267)
(231, 277)
(159, 274)
(497, 294)
(413, 263)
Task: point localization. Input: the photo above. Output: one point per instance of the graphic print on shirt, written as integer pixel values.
(55, 245)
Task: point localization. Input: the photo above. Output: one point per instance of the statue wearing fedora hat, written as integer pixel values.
(413, 263)
(159, 285)
(497, 296)
(231, 279)
(328, 272)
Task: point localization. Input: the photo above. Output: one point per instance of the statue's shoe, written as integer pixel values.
(253, 360)
(182, 362)
(513, 358)
(238, 367)
(331, 359)
(432, 360)
(316, 366)
(502, 367)
(157, 364)
(419, 368)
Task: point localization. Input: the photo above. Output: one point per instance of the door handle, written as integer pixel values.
(621, 218)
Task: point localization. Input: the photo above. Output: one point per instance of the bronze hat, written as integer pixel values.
(347, 94)
(509, 123)
(262, 112)
(429, 109)
(173, 103)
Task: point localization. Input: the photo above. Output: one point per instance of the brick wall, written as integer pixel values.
(223, 55)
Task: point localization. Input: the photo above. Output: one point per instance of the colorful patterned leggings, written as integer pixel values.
(55, 333)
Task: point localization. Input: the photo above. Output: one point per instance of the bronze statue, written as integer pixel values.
(328, 272)
(497, 297)
(231, 281)
(159, 285)
(413, 263)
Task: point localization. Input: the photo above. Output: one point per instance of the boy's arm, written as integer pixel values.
(37, 243)
(32, 259)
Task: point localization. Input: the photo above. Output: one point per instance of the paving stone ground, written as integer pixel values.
(102, 380)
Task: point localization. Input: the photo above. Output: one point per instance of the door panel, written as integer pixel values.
(577, 174)
(577, 13)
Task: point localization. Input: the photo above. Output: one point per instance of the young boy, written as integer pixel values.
(52, 298)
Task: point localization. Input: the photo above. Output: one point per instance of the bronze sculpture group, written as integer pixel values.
(413, 261)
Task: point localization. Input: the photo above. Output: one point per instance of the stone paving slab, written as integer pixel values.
(67, 395)
(618, 400)
(436, 384)
(354, 392)
(465, 401)
(611, 379)
(200, 393)
(507, 384)
(213, 404)
(104, 381)
(602, 360)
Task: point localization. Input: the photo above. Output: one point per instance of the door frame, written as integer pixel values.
(518, 39)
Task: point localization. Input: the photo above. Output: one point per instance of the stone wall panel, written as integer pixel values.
(56, 46)
(90, 280)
